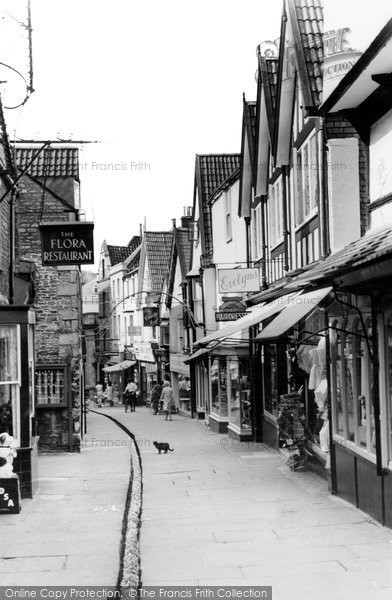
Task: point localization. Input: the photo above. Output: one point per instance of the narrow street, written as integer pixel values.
(214, 512)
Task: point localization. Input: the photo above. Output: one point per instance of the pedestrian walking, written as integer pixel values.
(168, 399)
(130, 396)
(156, 396)
(109, 393)
(99, 392)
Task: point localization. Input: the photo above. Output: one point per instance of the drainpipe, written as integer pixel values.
(285, 220)
(324, 210)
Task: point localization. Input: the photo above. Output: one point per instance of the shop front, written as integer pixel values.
(17, 398)
(294, 380)
(223, 367)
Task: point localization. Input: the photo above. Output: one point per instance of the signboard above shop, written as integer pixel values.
(238, 280)
(67, 243)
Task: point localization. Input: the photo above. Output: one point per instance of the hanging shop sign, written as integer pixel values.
(238, 280)
(230, 310)
(69, 243)
(143, 352)
(150, 316)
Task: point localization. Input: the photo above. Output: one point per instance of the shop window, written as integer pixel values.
(219, 382)
(10, 379)
(50, 386)
(201, 387)
(239, 393)
(271, 379)
(351, 372)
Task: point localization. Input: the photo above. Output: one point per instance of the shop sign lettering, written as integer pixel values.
(238, 280)
(229, 316)
(67, 243)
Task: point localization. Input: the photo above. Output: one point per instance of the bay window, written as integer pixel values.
(307, 188)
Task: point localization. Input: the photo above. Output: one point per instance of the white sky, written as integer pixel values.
(156, 82)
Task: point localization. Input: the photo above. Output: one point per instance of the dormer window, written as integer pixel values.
(307, 190)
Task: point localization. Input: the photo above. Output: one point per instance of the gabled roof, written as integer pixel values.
(250, 119)
(52, 162)
(183, 242)
(158, 246)
(308, 27)
(268, 73)
(181, 250)
(211, 171)
(118, 254)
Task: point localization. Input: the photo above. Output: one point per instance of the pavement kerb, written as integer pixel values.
(129, 576)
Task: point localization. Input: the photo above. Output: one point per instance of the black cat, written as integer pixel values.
(163, 446)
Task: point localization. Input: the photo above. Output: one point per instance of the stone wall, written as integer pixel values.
(58, 314)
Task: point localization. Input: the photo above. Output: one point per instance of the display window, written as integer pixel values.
(240, 393)
(351, 378)
(389, 385)
(201, 388)
(219, 389)
(10, 380)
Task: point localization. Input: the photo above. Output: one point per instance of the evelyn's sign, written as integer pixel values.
(69, 243)
(238, 280)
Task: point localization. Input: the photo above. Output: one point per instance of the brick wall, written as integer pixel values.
(4, 245)
(58, 312)
(339, 127)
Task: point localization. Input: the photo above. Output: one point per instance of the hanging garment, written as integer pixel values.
(315, 375)
(321, 394)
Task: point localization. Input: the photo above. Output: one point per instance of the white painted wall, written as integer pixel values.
(343, 192)
(227, 253)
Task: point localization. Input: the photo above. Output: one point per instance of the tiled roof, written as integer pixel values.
(52, 162)
(183, 239)
(134, 243)
(133, 261)
(213, 170)
(118, 254)
(309, 17)
(158, 252)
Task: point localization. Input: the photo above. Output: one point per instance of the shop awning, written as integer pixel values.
(196, 355)
(259, 313)
(121, 366)
(298, 307)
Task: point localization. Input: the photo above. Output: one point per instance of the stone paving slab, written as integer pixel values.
(70, 533)
(222, 513)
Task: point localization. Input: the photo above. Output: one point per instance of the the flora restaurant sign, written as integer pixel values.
(69, 243)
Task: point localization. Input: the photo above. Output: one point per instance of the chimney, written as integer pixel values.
(186, 219)
(173, 223)
(141, 230)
